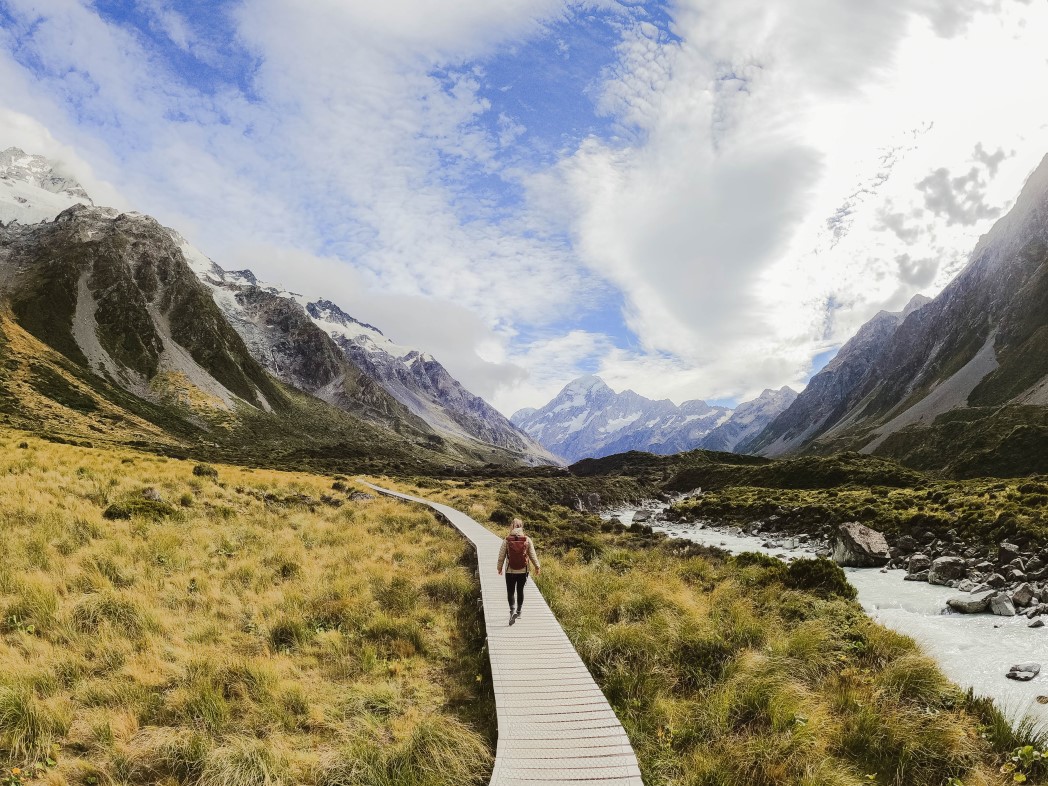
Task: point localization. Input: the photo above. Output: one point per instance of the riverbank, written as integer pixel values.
(974, 650)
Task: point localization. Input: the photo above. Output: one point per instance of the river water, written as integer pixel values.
(973, 650)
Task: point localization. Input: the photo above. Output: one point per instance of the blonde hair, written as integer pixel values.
(517, 524)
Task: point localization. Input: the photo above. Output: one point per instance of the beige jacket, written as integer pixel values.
(533, 558)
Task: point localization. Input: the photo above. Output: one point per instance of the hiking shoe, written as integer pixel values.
(512, 618)
(518, 614)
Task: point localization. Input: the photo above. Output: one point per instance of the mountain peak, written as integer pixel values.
(916, 303)
(585, 386)
(33, 189)
(330, 312)
(16, 164)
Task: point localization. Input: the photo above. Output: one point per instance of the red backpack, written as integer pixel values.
(517, 551)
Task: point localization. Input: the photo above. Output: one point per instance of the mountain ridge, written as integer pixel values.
(587, 419)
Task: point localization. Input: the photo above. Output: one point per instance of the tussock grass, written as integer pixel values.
(240, 630)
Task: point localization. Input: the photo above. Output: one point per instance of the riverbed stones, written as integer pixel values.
(996, 580)
(972, 603)
(1037, 623)
(1024, 672)
(947, 569)
(857, 546)
(1001, 605)
(641, 516)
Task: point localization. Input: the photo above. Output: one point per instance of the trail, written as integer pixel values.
(554, 724)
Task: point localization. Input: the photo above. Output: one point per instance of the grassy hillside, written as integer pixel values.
(743, 671)
(169, 623)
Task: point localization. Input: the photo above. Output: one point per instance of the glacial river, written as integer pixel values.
(974, 650)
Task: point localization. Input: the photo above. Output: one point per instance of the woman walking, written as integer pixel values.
(519, 552)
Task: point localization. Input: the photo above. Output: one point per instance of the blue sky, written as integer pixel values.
(694, 199)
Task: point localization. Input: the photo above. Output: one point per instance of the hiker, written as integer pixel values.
(518, 551)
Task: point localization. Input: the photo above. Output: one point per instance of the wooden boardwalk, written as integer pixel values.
(554, 724)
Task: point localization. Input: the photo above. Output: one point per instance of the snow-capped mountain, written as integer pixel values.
(588, 419)
(304, 343)
(155, 316)
(32, 191)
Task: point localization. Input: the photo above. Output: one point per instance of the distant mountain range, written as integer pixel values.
(960, 381)
(587, 419)
(105, 304)
(113, 327)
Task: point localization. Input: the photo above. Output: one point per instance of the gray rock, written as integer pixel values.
(946, 569)
(996, 580)
(966, 585)
(918, 562)
(1001, 605)
(972, 603)
(855, 545)
(906, 544)
(1022, 595)
(152, 494)
(641, 516)
(1007, 552)
(1037, 623)
(1024, 672)
(922, 576)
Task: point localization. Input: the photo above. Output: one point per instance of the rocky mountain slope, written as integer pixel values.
(587, 419)
(125, 311)
(834, 390)
(961, 381)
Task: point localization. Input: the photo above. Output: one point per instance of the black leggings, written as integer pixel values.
(516, 581)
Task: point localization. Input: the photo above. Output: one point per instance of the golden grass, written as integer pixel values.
(254, 628)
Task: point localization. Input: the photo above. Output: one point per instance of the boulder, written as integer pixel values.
(973, 603)
(1006, 552)
(1024, 672)
(1001, 605)
(996, 580)
(906, 544)
(1022, 595)
(1037, 623)
(641, 516)
(858, 546)
(922, 576)
(918, 562)
(152, 494)
(947, 569)
(966, 585)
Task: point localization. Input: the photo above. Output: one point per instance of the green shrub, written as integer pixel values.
(205, 471)
(820, 576)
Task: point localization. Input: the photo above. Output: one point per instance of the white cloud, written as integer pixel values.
(795, 167)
